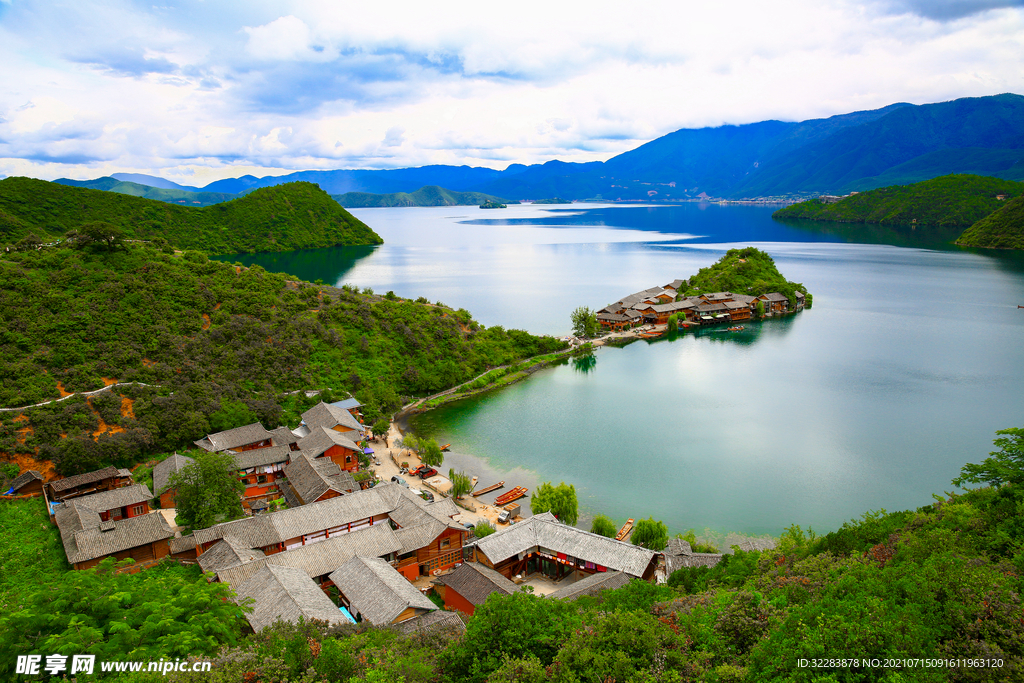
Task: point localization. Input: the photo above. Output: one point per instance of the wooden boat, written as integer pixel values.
(515, 494)
(738, 328)
(446, 447)
(488, 489)
(624, 531)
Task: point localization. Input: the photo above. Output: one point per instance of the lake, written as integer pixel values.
(909, 361)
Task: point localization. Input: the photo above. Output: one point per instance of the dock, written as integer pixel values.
(624, 531)
(488, 489)
(515, 494)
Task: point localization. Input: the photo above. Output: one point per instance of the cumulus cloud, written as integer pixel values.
(210, 88)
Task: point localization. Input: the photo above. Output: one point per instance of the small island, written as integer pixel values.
(493, 205)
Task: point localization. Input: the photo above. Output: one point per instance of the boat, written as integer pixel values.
(624, 531)
(488, 489)
(515, 494)
(738, 328)
(448, 446)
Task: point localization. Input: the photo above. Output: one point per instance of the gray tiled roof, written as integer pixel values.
(475, 582)
(347, 404)
(735, 305)
(259, 457)
(24, 479)
(282, 436)
(319, 559)
(82, 479)
(542, 531)
(227, 552)
(711, 308)
(775, 296)
(163, 470)
(329, 416)
(677, 546)
(672, 306)
(321, 438)
(377, 591)
(312, 479)
(592, 585)
(438, 620)
(674, 562)
(115, 498)
(285, 593)
(183, 544)
(234, 438)
(83, 540)
(675, 284)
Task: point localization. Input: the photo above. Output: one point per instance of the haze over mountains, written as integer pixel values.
(897, 144)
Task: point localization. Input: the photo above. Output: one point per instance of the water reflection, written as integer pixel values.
(329, 264)
(920, 236)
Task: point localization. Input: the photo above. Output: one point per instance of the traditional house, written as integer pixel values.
(373, 591)
(774, 302)
(90, 482)
(261, 470)
(543, 544)
(679, 554)
(239, 439)
(334, 418)
(26, 483)
(282, 436)
(311, 481)
(717, 297)
(660, 313)
(122, 503)
(737, 310)
(432, 622)
(162, 472)
(287, 594)
(323, 442)
(469, 585)
(591, 585)
(710, 313)
(352, 406)
(88, 539)
(675, 285)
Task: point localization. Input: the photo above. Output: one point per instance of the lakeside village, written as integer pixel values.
(333, 532)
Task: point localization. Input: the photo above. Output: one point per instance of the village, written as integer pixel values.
(652, 308)
(334, 532)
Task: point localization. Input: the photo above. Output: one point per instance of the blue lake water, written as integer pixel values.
(909, 361)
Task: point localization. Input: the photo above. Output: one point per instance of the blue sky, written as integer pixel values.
(196, 91)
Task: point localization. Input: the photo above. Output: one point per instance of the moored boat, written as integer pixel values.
(515, 494)
(488, 489)
(624, 531)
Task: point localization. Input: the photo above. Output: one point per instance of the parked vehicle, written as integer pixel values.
(427, 473)
(398, 480)
(425, 495)
(504, 516)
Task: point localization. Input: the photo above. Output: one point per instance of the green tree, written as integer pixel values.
(207, 489)
(231, 414)
(1006, 466)
(650, 533)
(558, 500)
(100, 232)
(584, 322)
(483, 528)
(431, 454)
(381, 427)
(673, 322)
(603, 526)
(461, 483)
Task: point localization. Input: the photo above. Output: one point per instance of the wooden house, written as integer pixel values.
(260, 470)
(27, 483)
(90, 482)
(332, 417)
(162, 473)
(591, 585)
(323, 442)
(237, 440)
(774, 302)
(543, 544)
(352, 406)
(286, 594)
(310, 481)
(469, 586)
(737, 310)
(373, 591)
(89, 536)
(282, 436)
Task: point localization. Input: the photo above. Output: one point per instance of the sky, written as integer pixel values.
(196, 91)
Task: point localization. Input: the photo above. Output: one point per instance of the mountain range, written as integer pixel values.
(897, 144)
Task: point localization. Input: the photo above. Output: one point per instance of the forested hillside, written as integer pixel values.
(208, 337)
(951, 200)
(1002, 229)
(291, 216)
(743, 271)
(429, 195)
(169, 195)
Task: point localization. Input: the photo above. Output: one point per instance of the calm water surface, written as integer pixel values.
(909, 361)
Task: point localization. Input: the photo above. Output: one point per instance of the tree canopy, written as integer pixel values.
(603, 526)
(558, 500)
(584, 322)
(1004, 466)
(207, 489)
(650, 533)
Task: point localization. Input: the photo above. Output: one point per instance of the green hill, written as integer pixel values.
(171, 196)
(1002, 229)
(281, 218)
(951, 200)
(429, 195)
(743, 271)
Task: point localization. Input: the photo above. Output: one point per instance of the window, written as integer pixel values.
(261, 479)
(445, 542)
(138, 509)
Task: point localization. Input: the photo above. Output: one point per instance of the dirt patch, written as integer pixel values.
(104, 428)
(63, 393)
(206, 321)
(26, 461)
(24, 433)
(22, 417)
(126, 407)
(147, 363)
(107, 381)
(217, 307)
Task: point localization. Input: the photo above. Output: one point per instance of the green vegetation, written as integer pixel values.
(493, 205)
(206, 337)
(558, 500)
(429, 195)
(743, 271)
(461, 483)
(430, 453)
(650, 533)
(208, 490)
(584, 322)
(171, 196)
(1005, 466)
(280, 218)
(1001, 229)
(483, 528)
(552, 200)
(603, 526)
(952, 200)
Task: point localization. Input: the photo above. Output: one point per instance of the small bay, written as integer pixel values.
(909, 361)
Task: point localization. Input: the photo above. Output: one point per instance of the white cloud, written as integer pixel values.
(209, 88)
